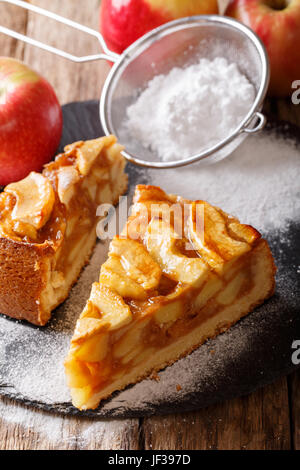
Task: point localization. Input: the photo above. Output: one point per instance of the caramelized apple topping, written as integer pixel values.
(214, 244)
(163, 244)
(88, 152)
(136, 262)
(35, 199)
(67, 177)
(82, 175)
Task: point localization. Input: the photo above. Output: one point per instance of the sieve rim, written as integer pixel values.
(154, 35)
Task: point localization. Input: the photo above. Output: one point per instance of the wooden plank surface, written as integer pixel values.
(23, 428)
(72, 82)
(266, 419)
(14, 18)
(258, 421)
(294, 389)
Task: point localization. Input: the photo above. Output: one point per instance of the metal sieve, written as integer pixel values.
(178, 43)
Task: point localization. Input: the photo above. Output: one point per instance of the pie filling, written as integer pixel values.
(163, 291)
(52, 215)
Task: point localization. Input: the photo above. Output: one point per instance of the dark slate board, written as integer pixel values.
(255, 352)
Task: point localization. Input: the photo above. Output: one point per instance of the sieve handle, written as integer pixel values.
(106, 54)
(262, 120)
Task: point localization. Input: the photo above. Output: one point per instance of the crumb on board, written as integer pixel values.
(178, 387)
(155, 376)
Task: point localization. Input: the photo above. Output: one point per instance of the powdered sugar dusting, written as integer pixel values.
(190, 109)
(259, 183)
(40, 430)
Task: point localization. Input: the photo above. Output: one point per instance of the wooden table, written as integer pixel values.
(266, 419)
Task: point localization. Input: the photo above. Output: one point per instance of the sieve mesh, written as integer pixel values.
(180, 43)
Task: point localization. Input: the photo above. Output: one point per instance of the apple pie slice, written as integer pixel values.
(48, 226)
(181, 272)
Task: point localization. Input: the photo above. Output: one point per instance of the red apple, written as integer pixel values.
(30, 121)
(123, 21)
(277, 22)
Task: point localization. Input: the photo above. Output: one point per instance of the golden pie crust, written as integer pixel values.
(181, 272)
(48, 226)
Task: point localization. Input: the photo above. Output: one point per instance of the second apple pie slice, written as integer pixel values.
(181, 272)
(48, 226)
